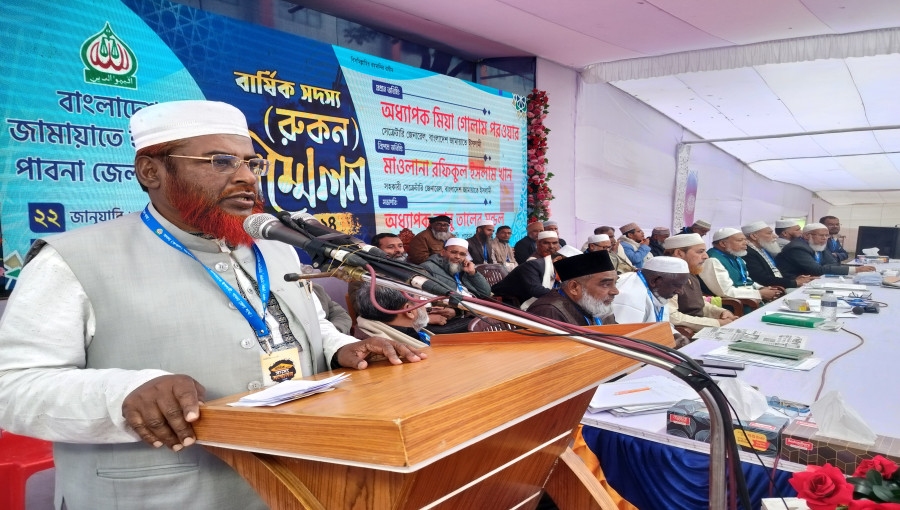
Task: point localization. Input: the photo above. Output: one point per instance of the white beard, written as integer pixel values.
(594, 306)
(421, 319)
(454, 268)
(772, 247)
(441, 236)
(659, 300)
(818, 247)
(742, 253)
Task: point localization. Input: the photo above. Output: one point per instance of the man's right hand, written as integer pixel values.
(726, 320)
(161, 410)
(770, 293)
(804, 279)
(865, 269)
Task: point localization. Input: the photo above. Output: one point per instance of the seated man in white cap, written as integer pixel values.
(535, 277)
(117, 332)
(645, 294)
(479, 244)
(598, 242)
(501, 251)
(699, 227)
(762, 248)
(634, 245)
(553, 226)
(657, 237)
(689, 308)
(407, 327)
(787, 231)
(807, 254)
(452, 268)
(586, 291)
(725, 273)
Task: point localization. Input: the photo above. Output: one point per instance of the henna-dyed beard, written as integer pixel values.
(202, 212)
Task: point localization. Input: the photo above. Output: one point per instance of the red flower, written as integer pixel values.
(867, 504)
(823, 488)
(879, 463)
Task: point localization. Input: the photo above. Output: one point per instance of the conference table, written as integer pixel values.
(651, 469)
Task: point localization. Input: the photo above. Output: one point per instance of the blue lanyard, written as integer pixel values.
(262, 276)
(459, 285)
(738, 262)
(423, 336)
(818, 257)
(484, 251)
(659, 313)
(596, 321)
(769, 257)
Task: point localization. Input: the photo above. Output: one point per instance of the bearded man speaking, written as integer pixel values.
(117, 332)
(586, 294)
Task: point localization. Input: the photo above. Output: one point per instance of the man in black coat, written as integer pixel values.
(534, 278)
(526, 246)
(762, 246)
(807, 255)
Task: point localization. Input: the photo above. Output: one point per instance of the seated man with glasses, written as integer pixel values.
(806, 255)
(116, 333)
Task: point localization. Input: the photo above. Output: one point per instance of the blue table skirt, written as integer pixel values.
(653, 476)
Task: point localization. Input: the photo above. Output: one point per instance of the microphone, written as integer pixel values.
(266, 226)
(321, 231)
(858, 310)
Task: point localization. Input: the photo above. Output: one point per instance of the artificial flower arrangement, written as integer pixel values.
(539, 194)
(875, 485)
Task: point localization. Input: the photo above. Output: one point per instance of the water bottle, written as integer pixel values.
(829, 306)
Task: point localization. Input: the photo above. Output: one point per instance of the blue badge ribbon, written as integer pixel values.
(459, 285)
(425, 337)
(262, 276)
(659, 312)
(484, 251)
(818, 257)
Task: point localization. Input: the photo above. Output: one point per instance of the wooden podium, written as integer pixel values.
(482, 423)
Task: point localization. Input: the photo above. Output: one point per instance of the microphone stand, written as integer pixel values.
(717, 453)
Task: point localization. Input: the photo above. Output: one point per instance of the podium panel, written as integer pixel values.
(480, 423)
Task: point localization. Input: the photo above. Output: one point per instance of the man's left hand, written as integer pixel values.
(355, 355)
(727, 315)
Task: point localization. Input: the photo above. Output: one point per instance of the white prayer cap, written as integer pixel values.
(702, 224)
(756, 226)
(785, 223)
(547, 234)
(672, 265)
(485, 223)
(813, 226)
(177, 120)
(683, 241)
(455, 241)
(597, 238)
(723, 233)
(568, 251)
(550, 223)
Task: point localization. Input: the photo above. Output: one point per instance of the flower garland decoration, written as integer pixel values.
(538, 191)
(875, 485)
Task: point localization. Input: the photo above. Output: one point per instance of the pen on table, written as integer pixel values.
(624, 392)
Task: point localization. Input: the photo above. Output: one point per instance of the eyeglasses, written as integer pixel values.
(228, 164)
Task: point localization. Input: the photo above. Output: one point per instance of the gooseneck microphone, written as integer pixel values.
(319, 230)
(266, 226)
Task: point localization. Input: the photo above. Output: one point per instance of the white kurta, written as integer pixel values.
(716, 277)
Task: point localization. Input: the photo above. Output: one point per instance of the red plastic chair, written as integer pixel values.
(20, 457)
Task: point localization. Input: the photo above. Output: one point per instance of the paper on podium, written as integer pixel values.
(644, 391)
(287, 391)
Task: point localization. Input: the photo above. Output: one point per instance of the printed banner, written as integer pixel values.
(366, 144)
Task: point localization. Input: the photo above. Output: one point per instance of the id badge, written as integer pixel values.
(280, 366)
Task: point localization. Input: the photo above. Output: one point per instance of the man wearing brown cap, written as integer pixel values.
(657, 237)
(431, 240)
(526, 246)
(635, 246)
(586, 291)
(150, 314)
(688, 308)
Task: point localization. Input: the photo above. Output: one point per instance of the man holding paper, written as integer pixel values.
(117, 332)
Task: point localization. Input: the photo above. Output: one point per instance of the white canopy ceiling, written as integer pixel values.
(724, 69)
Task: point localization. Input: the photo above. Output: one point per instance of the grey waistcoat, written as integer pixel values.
(157, 308)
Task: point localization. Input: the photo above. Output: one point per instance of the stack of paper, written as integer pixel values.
(289, 390)
(724, 354)
(638, 396)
